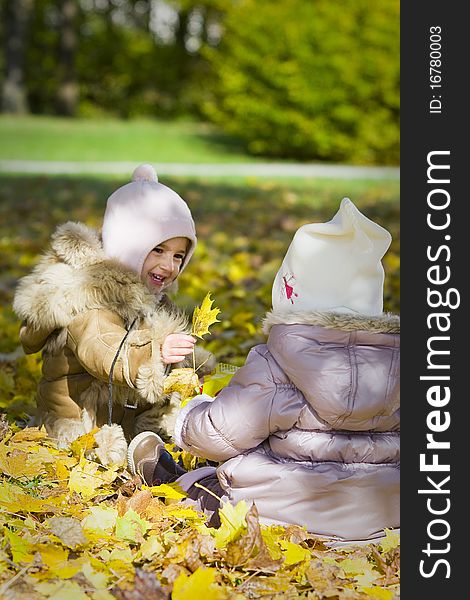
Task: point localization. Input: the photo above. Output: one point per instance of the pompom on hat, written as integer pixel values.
(334, 266)
(143, 214)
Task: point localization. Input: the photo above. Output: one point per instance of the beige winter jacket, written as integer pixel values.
(77, 306)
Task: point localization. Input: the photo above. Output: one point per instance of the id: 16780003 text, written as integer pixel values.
(435, 73)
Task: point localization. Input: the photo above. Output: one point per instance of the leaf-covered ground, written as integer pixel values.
(74, 529)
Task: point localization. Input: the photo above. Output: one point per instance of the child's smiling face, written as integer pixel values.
(163, 264)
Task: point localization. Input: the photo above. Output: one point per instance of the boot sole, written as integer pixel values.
(133, 445)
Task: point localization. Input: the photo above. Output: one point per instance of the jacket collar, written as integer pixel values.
(386, 323)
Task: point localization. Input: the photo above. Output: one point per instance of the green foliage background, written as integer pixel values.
(310, 80)
(315, 80)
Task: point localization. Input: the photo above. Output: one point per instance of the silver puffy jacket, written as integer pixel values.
(309, 426)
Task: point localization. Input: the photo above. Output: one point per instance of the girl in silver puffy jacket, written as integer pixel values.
(308, 428)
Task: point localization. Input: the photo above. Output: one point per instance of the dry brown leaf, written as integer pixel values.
(29, 434)
(139, 502)
(146, 587)
(249, 551)
(184, 381)
(68, 530)
(130, 486)
(327, 579)
(4, 427)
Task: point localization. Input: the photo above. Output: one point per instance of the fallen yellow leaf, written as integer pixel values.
(131, 527)
(58, 590)
(30, 434)
(167, 490)
(391, 540)
(293, 553)
(21, 550)
(16, 463)
(84, 442)
(14, 499)
(100, 519)
(57, 560)
(88, 477)
(200, 584)
(232, 523)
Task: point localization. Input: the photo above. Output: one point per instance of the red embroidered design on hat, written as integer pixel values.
(289, 289)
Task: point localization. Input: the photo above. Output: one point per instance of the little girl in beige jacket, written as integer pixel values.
(96, 305)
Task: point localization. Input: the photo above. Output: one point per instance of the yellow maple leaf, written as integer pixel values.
(150, 547)
(293, 552)
(232, 523)
(58, 562)
(16, 464)
(98, 579)
(84, 442)
(185, 512)
(167, 490)
(87, 478)
(13, 498)
(271, 538)
(391, 540)
(21, 550)
(131, 527)
(377, 592)
(356, 566)
(200, 584)
(62, 472)
(204, 316)
(58, 590)
(120, 562)
(215, 382)
(30, 434)
(360, 569)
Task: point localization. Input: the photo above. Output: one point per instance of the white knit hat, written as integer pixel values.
(141, 215)
(334, 266)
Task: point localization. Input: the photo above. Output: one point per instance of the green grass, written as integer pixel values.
(55, 138)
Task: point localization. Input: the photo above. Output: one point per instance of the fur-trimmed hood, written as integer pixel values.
(74, 276)
(386, 323)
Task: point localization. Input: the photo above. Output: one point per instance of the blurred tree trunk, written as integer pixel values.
(181, 31)
(68, 90)
(15, 16)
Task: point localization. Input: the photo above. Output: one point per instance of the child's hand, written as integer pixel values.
(176, 346)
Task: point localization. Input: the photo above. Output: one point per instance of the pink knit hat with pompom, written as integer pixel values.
(143, 214)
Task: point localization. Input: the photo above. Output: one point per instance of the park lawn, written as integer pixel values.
(107, 139)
